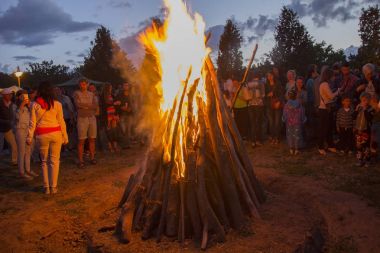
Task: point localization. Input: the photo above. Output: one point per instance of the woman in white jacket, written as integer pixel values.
(49, 128)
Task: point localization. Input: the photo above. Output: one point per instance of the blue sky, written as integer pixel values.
(61, 30)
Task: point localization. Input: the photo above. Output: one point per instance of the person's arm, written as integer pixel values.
(62, 123)
(32, 124)
(327, 93)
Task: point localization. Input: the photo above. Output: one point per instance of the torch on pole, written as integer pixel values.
(245, 74)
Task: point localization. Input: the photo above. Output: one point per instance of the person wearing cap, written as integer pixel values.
(22, 118)
(87, 105)
(6, 119)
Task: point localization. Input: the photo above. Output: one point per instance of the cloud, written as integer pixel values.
(216, 32)
(83, 38)
(25, 57)
(119, 4)
(259, 26)
(321, 11)
(70, 61)
(81, 55)
(37, 22)
(4, 68)
(68, 53)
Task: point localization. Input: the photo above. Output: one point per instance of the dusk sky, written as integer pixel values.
(61, 30)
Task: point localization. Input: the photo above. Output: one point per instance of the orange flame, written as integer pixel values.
(178, 46)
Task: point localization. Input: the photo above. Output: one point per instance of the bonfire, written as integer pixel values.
(197, 180)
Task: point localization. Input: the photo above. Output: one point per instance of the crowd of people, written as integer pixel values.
(40, 124)
(337, 110)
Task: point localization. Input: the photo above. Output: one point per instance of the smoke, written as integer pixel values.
(144, 89)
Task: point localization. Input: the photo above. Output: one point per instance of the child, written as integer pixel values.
(112, 120)
(294, 118)
(375, 129)
(362, 130)
(344, 126)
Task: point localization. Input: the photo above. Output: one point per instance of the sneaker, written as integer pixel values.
(332, 150)
(33, 174)
(322, 151)
(53, 190)
(26, 177)
(46, 190)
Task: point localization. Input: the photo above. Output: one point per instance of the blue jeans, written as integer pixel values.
(274, 119)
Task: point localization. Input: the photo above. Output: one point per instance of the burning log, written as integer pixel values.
(197, 180)
(219, 188)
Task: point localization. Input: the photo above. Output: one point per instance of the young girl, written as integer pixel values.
(22, 117)
(294, 118)
(362, 130)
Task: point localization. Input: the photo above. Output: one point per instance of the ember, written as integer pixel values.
(197, 178)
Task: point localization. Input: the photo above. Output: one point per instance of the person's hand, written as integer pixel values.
(28, 141)
(270, 94)
(360, 87)
(117, 103)
(65, 141)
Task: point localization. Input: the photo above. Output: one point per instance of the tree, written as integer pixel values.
(325, 54)
(369, 31)
(47, 70)
(293, 44)
(98, 64)
(230, 57)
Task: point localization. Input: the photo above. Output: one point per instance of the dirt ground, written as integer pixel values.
(303, 192)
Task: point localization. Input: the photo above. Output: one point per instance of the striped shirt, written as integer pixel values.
(345, 118)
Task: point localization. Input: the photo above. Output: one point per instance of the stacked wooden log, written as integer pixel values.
(216, 189)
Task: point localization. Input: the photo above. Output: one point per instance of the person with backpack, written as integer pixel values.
(48, 127)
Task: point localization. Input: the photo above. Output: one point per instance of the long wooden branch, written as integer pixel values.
(245, 75)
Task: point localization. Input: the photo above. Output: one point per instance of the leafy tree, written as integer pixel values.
(325, 54)
(47, 70)
(230, 57)
(293, 44)
(369, 31)
(98, 64)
